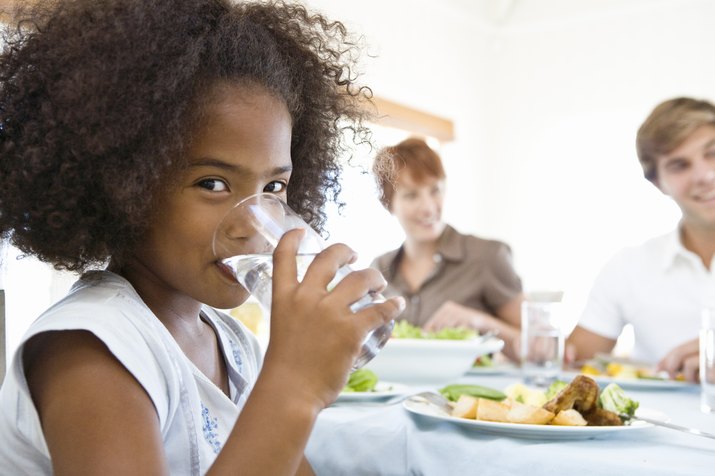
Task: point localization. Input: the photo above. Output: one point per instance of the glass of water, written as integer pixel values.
(707, 361)
(542, 338)
(245, 240)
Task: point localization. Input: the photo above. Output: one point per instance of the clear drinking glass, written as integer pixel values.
(245, 240)
(542, 338)
(707, 361)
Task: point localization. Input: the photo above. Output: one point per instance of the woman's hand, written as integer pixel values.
(315, 337)
(451, 314)
(684, 359)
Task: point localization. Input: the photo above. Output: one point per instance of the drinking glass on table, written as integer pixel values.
(707, 361)
(542, 338)
(245, 240)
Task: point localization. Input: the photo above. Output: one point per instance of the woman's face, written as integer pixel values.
(687, 175)
(418, 207)
(241, 147)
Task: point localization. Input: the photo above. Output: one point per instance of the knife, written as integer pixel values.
(692, 431)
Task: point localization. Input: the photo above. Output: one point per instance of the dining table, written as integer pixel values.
(381, 437)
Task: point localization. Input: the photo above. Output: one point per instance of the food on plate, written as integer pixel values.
(454, 391)
(466, 407)
(603, 366)
(483, 361)
(519, 392)
(569, 418)
(581, 395)
(578, 403)
(614, 399)
(362, 380)
(528, 414)
(555, 387)
(405, 330)
(492, 410)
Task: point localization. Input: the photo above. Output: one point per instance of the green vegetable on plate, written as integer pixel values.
(453, 391)
(613, 398)
(362, 380)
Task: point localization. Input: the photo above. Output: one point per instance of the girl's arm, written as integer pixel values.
(96, 418)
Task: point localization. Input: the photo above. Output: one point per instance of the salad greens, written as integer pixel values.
(483, 361)
(555, 388)
(613, 398)
(405, 330)
(362, 380)
(453, 391)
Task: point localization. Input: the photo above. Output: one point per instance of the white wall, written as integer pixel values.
(546, 96)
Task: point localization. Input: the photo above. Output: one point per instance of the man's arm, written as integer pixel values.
(583, 344)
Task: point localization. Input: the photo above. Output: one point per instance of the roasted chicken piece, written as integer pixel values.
(601, 417)
(581, 395)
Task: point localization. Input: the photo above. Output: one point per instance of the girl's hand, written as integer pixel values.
(315, 337)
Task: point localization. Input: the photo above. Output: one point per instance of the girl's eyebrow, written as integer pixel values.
(235, 168)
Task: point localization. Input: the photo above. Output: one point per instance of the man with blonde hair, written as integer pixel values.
(661, 286)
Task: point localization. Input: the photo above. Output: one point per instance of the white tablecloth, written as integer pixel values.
(388, 440)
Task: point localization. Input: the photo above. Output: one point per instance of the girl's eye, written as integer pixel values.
(275, 187)
(710, 153)
(214, 185)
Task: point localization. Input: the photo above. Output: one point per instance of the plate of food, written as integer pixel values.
(578, 410)
(364, 385)
(521, 430)
(492, 365)
(381, 390)
(629, 374)
(643, 383)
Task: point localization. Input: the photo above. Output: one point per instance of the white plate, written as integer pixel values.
(637, 383)
(496, 369)
(382, 390)
(519, 430)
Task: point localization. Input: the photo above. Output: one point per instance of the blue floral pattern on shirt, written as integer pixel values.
(236, 355)
(210, 425)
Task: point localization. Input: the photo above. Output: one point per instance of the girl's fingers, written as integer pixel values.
(327, 264)
(285, 267)
(357, 284)
(374, 316)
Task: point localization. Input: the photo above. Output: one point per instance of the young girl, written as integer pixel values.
(128, 129)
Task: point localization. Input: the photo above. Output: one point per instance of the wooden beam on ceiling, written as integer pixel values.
(400, 116)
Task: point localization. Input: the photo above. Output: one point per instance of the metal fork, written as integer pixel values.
(421, 397)
(433, 398)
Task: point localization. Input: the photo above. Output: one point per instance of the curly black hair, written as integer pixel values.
(97, 96)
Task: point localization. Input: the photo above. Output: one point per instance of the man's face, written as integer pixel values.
(687, 175)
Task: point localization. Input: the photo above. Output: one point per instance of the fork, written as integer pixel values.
(433, 398)
(421, 397)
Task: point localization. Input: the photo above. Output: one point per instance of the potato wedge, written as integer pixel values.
(466, 407)
(529, 414)
(490, 410)
(569, 418)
